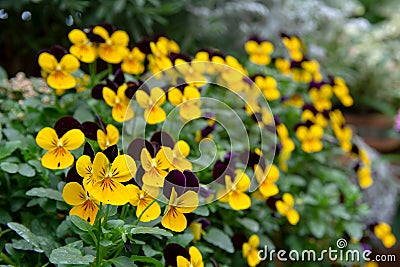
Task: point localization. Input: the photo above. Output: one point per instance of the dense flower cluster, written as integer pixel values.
(158, 170)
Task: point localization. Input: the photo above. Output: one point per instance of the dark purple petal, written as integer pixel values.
(310, 107)
(139, 176)
(65, 124)
(256, 38)
(314, 84)
(111, 152)
(270, 202)
(174, 179)
(144, 46)
(119, 77)
(88, 150)
(136, 146)
(220, 170)
(171, 251)
(73, 176)
(238, 240)
(214, 263)
(57, 51)
(163, 139)
(132, 88)
(251, 158)
(97, 91)
(112, 85)
(174, 56)
(192, 182)
(128, 245)
(204, 223)
(205, 192)
(207, 130)
(90, 130)
(355, 149)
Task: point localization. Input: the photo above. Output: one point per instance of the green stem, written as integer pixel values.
(124, 212)
(6, 259)
(145, 209)
(110, 69)
(118, 251)
(98, 260)
(92, 71)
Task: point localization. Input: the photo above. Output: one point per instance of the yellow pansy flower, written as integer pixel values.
(121, 111)
(259, 52)
(321, 97)
(84, 207)
(153, 113)
(196, 259)
(193, 72)
(59, 72)
(294, 47)
(82, 48)
(108, 137)
(188, 102)
(133, 62)
(285, 208)
(250, 251)
(114, 48)
(84, 168)
(140, 198)
(234, 191)
(179, 153)
(364, 177)
(108, 188)
(58, 155)
(155, 168)
(310, 137)
(266, 179)
(283, 65)
(383, 231)
(268, 86)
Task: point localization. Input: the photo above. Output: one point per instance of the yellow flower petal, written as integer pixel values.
(72, 139)
(254, 241)
(47, 62)
(175, 96)
(61, 80)
(389, 241)
(268, 189)
(86, 211)
(84, 166)
(110, 139)
(69, 63)
(123, 168)
(134, 194)
(189, 110)
(98, 30)
(288, 199)
(152, 212)
(174, 220)
(182, 262)
(251, 47)
(122, 112)
(154, 115)
(142, 98)
(58, 158)
(47, 138)
(188, 202)
(196, 258)
(182, 148)
(77, 36)
(146, 160)
(73, 194)
(242, 181)
(239, 200)
(157, 96)
(120, 38)
(293, 217)
(100, 166)
(109, 96)
(252, 258)
(154, 177)
(164, 157)
(111, 192)
(281, 207)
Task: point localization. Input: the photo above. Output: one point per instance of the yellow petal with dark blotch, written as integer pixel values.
(47, 62)
(123, 168)
(239, 200)
(58, 158)
(87, 211)
(174, 220)
(100, 166)
(84, 166)
(61, 80)
(134, 194)
(187, 202)
(111, 192)
(109, 96)
(72, 139)
(47, 138)
(69, 63)
(73, 194)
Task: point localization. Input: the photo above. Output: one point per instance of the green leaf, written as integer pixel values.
(113, 224)
(317, 228)
(354, 229)
(8, 148)
(147, 260)
(122, 261)
(26, 234)
(202, 211)
(80, 223)
(45, 192)
(182, 239)
(150, 230)
(149, 251)
(69, 255)
(3, 74)
(250, 224)
(219, 239)
(26, 170)
(9, 167)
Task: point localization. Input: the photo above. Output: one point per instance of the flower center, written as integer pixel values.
(109, 42)
(141, 196)
(58, 67)
(59, 143)
(153, 163)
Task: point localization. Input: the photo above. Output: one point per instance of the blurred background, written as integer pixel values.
(356, 39)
